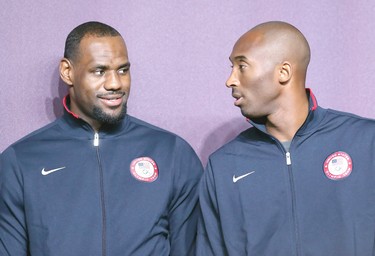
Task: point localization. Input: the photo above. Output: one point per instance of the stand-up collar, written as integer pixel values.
(73, 123)
(314, 116)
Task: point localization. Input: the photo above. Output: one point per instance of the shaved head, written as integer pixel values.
(278, 41)
(269, 66)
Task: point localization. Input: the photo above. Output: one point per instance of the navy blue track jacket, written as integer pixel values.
(127, 190)
(317, 199)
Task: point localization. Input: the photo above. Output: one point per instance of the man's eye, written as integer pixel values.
(99, 72)
(123, 71)
(241, 67)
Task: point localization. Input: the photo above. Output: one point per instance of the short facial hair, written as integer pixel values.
(105, 118)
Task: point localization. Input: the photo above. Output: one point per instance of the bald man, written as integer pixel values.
(301, 181)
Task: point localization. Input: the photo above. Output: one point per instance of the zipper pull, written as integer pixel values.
(288, 159)
(96, 139)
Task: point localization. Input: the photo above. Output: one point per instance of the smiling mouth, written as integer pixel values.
(111, 95)
(112, 99)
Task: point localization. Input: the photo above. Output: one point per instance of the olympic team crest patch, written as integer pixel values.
(144, 169)
(338, 165)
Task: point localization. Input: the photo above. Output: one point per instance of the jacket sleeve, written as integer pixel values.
(210, 240)
(13, 235)
(184, 208)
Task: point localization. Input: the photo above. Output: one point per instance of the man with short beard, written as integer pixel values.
(98, 181)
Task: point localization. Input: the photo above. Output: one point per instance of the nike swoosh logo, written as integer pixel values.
(235, 179)
(44, 172)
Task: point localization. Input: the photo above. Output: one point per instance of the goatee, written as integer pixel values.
(105, 118)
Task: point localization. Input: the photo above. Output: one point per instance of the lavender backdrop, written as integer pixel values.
(179, 53)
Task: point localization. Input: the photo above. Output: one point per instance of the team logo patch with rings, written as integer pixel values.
(144, 169)
(338, 165)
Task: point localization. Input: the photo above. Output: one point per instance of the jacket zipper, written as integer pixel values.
(102, 202)
(293, 193)
(288, 161)
(96, 139)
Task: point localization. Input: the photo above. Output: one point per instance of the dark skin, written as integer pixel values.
(99, 78)
(268, 77)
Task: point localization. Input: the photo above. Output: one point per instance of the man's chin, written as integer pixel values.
(112, 117)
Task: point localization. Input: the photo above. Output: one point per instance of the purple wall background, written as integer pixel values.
(179, 53)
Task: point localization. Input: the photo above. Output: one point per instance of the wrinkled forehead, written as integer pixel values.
(110, 41)
(102, 50)
(96, 45)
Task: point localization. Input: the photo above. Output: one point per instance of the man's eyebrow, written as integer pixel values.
(238, 58)
(106, 67)
(99, 66)
(241, 57)
(125, 65)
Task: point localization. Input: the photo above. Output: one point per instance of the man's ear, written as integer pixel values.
(285, 72)
(66, 71)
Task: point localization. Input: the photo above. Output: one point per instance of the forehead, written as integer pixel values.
(106, 49)
(250, 44)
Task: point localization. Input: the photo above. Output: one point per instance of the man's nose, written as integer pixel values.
(232, 80)
(113, 81)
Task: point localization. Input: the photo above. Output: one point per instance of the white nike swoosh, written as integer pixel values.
(235, 179)
(51, 171)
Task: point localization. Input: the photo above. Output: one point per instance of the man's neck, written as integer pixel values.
(284, 124)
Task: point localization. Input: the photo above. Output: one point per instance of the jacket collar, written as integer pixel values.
(313, 119)
(72, 122)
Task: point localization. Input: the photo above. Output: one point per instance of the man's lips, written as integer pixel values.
(112, 99)
(238, 99)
